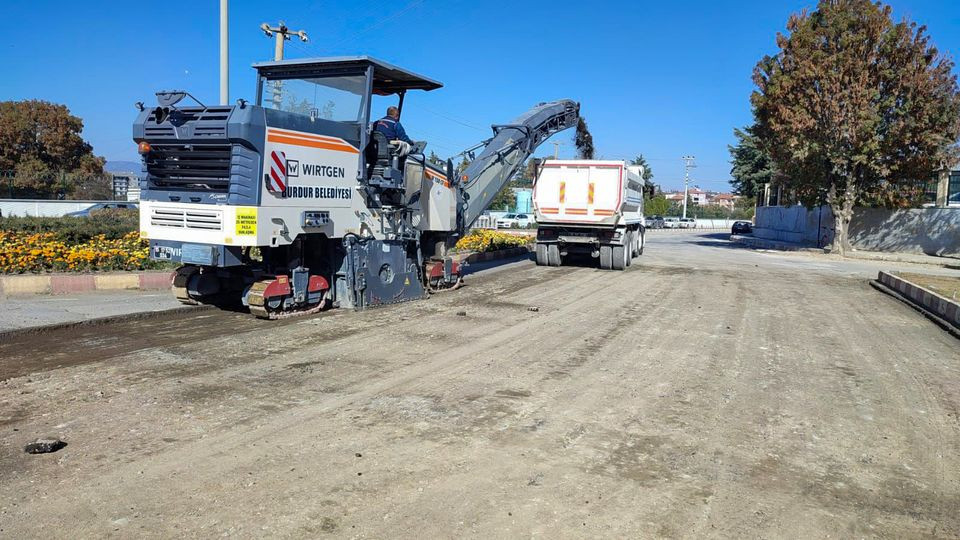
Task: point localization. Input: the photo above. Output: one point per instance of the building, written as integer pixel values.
(696, 196)
(724, 200)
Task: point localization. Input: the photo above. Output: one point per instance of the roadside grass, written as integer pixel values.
(946, 286)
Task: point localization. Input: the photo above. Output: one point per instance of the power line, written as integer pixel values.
(380, 22)
(451, 118)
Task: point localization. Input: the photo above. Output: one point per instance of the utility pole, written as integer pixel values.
(280, 33)
(556, 148)
(224, 55)
(687, 165)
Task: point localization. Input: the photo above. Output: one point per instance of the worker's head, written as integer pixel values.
(393, 112)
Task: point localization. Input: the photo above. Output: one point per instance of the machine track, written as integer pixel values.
(262, 306)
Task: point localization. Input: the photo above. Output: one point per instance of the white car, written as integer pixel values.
(514, 221)
(671, 223)
(688, 223)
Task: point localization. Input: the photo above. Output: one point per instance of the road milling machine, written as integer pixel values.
(294, 204)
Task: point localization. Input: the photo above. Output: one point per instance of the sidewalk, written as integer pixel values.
(909, 258)
(41, 310)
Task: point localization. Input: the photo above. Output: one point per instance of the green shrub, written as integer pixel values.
(112, 223)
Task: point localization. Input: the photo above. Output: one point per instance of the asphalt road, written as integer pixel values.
(708, 391)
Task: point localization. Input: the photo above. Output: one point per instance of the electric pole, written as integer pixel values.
(224, 55)
(687, 165)
(280, 33)
(556, 148)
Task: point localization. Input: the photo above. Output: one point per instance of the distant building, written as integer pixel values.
(126, 186)
(696, 196)
(725, 200)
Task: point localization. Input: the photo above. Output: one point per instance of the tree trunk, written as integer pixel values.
(842, 207)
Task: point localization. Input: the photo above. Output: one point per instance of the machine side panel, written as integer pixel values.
(309, 173)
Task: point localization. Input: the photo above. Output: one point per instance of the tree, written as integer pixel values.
(658, 205)
(462, 166)
(583, 140)
(641, 161)
(39, 139)
(752, 165)
(854, 102)
(504, 199)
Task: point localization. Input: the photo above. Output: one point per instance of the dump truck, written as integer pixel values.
(292, 203)
(589, 207)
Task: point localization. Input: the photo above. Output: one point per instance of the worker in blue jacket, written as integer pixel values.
(391, 128)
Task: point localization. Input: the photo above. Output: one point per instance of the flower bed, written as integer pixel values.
(45, 252)
(482, 240)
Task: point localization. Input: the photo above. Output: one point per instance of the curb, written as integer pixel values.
(763, 243)
(942, 310)
(22, 285)
(954, 264)
(495, 255)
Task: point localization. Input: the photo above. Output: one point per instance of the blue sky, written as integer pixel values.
(660, 78)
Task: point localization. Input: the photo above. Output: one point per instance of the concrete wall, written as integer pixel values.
(931, 231)
(30, 207)
(794, 224)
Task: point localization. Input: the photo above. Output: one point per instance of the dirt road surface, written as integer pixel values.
(708, 391)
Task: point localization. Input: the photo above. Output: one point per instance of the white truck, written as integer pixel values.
(590, 207)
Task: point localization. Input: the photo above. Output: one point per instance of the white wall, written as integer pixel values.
(29, 207)
(931, 231)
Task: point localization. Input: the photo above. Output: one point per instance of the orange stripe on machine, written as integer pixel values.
(304, 135)
(436, 176)
(311, 143)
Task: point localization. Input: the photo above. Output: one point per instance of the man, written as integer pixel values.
(390, 126)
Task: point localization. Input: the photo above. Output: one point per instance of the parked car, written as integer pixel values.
(514, 221)
(688, 223)
(104, 206)
(671, 223)
(742, 227)
(653, 222)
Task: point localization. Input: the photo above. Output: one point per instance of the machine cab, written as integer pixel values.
(332, 97)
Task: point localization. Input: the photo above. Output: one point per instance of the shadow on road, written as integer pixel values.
(475, 267)
(718, 240)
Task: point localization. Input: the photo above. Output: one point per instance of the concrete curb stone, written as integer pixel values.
(940, 306)
(21, 285)
(495, 255)
(763, 243)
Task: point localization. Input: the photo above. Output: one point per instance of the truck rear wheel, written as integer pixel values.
(620, 257)
(553, 255)
(606, 257)
(541, 254)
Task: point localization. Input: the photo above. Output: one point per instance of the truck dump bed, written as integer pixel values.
(587, 193)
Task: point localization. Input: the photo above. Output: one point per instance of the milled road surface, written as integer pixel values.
(706, 392)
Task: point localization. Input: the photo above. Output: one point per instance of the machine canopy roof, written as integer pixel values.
(387, 78)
